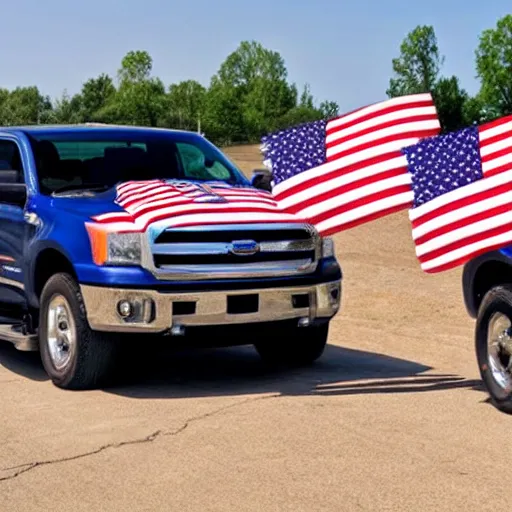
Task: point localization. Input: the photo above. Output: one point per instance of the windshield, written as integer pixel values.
(99, 159)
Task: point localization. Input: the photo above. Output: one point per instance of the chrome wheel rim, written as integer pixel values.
(61, 336)
(499, 349)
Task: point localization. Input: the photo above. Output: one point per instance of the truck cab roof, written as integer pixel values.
(96, 129)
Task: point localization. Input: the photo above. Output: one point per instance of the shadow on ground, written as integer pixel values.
(160, 373)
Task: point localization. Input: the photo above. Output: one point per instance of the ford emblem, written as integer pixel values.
(244, 247)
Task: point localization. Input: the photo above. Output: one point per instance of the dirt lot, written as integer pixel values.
(391, 418)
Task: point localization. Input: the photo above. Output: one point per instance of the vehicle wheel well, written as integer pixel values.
(48, 263)
(490, 274)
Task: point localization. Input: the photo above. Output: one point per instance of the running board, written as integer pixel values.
(13, 333)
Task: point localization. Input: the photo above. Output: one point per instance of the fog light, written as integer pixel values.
(334, 295)
(177, 330)
(304, 322)
(124, 308)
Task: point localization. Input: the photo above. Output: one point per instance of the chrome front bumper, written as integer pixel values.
(159, 312)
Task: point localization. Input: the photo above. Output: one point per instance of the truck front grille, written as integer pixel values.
(241, 251)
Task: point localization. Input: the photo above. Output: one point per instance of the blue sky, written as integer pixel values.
(342, 49)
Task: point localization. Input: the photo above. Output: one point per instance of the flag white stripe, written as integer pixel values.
(136, 200)
(489, 133)
(353, 195)
(363, 211)
(345, 179)
(112, 215)
(377, 121)
(190, 207)
(463, 232)
(399, 129)
(461, 213)
(460, 193)
(159, 197)
(123, 191)
(184, 201)
(205, 219)
(467, 250)
(495, 146)
(490, 165)
(369, 153)
(402, 100)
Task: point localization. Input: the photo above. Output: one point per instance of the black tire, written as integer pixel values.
(91, 360)
(496, 300)
(298, 346)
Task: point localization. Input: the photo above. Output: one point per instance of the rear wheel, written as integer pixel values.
(493, 339)
(73, 355)
(297, 347)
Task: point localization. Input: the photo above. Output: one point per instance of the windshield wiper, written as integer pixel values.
(87, 187)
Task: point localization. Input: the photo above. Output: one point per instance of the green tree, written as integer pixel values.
(494, 66)
(97, 94)
(305, 111)
(306, 98)
(25, 105)
(249, 94)
(68, 110)
(329, 109)
(417, 68)
(186, 104)
(140, 98)
(450, 101)
(135, 67)
(298, 115)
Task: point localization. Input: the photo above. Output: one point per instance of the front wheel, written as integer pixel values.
(297, 346)
(493, 340)
(73, 355)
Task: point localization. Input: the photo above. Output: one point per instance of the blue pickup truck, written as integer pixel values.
(110, 233)
(487, 290)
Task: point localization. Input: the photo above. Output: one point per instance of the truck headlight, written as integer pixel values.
(124, 248)
(114, 248)
(328, 248)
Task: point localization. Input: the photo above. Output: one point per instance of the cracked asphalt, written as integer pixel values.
(392, 417)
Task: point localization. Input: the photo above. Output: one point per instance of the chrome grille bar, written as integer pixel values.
(184, 253)
(225, 248)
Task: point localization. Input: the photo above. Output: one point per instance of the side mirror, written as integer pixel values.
(261, 178)
(13, 193)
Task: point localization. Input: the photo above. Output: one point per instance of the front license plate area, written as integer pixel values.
(243, 304)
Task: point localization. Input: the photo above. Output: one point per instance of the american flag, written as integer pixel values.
(462, 184)
(180, 204)
(340, 173)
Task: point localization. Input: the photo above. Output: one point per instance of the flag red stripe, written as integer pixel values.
(363, 220)
(210, 209)
(498, 170)
(343, 189)
(463, 259)
(370, 198)
(458, 244)
(460, 223)
(465, 201)
(387, 124)
(495, 123)
(383, 140)
(179, 224)
(498, 154)
(313, 180)
(372, 115)
(496, 138)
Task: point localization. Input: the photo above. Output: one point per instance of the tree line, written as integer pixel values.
(250, 95)
(418, 69)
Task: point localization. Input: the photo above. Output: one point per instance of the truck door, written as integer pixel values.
(12, 228)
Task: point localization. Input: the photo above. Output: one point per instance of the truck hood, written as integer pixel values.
(160, 204)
